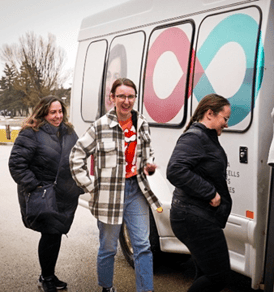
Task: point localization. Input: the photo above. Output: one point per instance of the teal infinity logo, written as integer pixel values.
(222, 34)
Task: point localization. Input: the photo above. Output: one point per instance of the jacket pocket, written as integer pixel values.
(107, 154)
(222, 214)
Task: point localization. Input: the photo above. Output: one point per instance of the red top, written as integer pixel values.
(130, 146)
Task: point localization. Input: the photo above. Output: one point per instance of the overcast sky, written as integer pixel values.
(61, 18)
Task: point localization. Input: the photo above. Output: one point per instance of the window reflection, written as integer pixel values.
(117, 67)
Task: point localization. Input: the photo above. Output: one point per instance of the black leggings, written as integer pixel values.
(48, 250)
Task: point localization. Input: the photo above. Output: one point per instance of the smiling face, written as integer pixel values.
(124, 106)
(219, 121)
(55, 114)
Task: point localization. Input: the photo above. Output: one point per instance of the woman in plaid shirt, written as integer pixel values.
(120, 144)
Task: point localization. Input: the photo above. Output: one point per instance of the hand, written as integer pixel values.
(216, 201)
(149, 169)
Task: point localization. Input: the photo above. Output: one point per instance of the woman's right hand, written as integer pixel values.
(216, 201)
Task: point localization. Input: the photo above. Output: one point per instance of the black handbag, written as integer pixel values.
(40, 207)
(42, 211)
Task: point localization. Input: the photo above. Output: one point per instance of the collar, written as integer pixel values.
(113, 119)
(210, 132)
(50, 129)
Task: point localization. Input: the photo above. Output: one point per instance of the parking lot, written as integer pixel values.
(19, 269)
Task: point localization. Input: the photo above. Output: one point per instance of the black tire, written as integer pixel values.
(153, 237)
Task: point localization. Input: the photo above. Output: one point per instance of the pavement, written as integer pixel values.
(19, 268)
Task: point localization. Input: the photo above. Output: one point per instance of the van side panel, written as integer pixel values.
(177, 52)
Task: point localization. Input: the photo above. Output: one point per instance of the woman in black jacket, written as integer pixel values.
(44, 141)
(201, 201)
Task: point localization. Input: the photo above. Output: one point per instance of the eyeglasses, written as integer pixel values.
(123, 97)
(225, 118)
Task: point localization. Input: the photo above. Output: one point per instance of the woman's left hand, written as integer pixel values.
(149, 169)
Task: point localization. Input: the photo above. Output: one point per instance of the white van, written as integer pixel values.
(176, 52)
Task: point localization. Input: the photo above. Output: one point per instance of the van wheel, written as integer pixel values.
(153, 237)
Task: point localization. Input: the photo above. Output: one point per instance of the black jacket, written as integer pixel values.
(197, 169)
(34, 161)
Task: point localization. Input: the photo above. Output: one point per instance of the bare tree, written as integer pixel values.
(38, 63)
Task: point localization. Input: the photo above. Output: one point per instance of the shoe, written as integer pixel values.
(112, 289)
(59, 285)
(48, 284)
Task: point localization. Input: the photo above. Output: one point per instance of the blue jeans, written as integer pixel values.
(208, 247)
(136, 217)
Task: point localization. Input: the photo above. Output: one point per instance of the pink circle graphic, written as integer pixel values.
(176, 41)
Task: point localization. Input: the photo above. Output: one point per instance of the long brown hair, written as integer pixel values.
(211, 101)
(37, 118)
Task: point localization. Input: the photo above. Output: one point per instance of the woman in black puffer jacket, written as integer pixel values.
(44, 141)
(201, 201)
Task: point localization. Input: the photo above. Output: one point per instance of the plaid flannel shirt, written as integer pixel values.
(106, 142)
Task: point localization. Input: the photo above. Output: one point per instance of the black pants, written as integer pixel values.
(208, 247)
(48, 250)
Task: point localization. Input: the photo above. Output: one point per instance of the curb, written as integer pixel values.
(6, 143)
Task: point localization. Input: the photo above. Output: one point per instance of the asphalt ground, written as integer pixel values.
(19, 269)
(19, 266)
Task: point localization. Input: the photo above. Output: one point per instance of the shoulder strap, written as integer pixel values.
(62, 145)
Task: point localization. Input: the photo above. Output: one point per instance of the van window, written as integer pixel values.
(124, 61)
(225, 62)
(166, 75)
(92, 81)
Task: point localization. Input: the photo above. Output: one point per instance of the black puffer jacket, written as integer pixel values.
(197, 168)
(34, 161)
